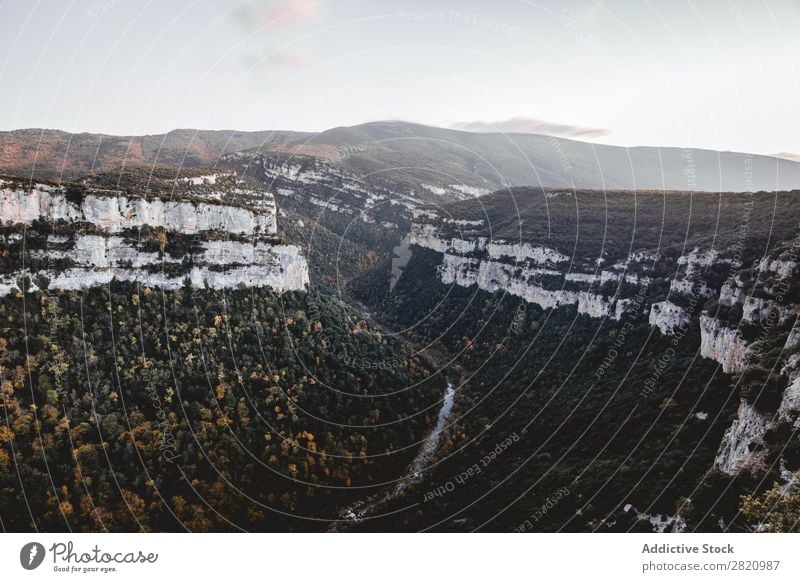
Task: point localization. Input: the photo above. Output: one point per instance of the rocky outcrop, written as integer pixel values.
(688, 287)
(698, 259)
(428, 236)
(620, 276)
(251, 257)
(723, 345)
(494, 276)
(42, 201)
(738, 450)
(755, 309)
(517, 268)
(114, 212)
(790, 403)
(520, 251)
(789, 410)
(782, 268)
(731, 294)
(743, 446)
(667, 316)
(793, 340)
(97, 260)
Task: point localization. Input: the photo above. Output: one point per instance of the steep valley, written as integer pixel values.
(166, 367)
(638, 349)
(265, 343)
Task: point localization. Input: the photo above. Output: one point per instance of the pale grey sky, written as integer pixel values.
(722, 74)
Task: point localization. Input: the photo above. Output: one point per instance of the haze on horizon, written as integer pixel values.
(718, 75)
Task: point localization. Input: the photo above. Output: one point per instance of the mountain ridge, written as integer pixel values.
(413, 154)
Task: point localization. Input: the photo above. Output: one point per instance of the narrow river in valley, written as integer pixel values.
(363, 508)
(431, 444)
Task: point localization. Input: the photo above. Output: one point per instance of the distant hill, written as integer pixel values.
(414, 157)
(408, 152)
(53, 154)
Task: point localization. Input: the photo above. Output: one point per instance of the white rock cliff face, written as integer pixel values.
(99, 259)
(521, 251)
(790, 403)
(698, 260)
(755, 309)
(494, 276)
(114, 213)
(734, 453)
(427, 235)
(723, 345)
(780, 267)
(740, 448)
(731, 294)
(689, 287)
(21, 206)
(285, 273)
(666, 316)
(104, 252)
(514, 268)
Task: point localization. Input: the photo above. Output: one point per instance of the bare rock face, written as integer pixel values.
(43, 201)
(689, 286)
(737, 451)
(427, 236)
(248, 254)
(742, 446)
(517, 268)
(723, 345)
(756, 308)
(514, 268)
(521, 251)
(731, 294)
(667, 316)
(700, 259)
(763, 296)
(781, 267)
(790, 403)
(492, 276)
(113, 212)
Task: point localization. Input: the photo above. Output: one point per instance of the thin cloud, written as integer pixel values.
(290, 13)
(522, 124)
(260, 17)
(295, 60)
(792, 157)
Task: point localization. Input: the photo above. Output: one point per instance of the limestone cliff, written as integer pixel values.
(101, 239)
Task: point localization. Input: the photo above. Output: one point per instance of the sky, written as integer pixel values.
(720, 74)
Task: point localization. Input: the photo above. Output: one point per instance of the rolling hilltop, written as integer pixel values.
(488, 161)
(54, 154)
(446, 162)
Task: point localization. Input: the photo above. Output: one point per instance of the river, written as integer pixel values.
(363, 508)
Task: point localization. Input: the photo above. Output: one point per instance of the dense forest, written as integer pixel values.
(127, 408)
(593, 408)
(615, 427)
(130, 408)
